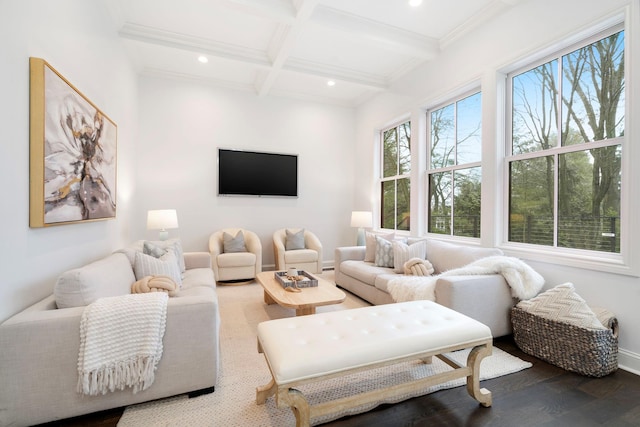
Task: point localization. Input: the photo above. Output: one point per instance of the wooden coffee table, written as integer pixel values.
(305, 302)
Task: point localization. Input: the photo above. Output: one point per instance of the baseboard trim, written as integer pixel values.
(629, 361)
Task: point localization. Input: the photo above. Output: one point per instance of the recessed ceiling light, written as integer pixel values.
(415, 3)
(331, 83)
(203, 59)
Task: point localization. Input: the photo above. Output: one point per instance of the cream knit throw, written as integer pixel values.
(525, 283)
(121, 342)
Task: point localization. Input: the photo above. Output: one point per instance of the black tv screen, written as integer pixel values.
(253, 173)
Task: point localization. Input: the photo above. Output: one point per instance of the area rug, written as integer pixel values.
(243, 369)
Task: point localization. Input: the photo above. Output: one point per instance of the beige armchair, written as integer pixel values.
(236, 262)
(305, 255)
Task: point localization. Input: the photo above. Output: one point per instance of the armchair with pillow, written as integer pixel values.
(298, 248)
(236, 254)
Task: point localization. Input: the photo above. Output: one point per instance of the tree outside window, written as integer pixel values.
(566, 148)
(395, 183)
(455, 146)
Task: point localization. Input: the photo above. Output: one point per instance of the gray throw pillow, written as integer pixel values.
(232, 244)
(152, 249)
(384, 252)
(294, 241)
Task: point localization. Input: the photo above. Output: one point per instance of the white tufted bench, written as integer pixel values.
(311, 348)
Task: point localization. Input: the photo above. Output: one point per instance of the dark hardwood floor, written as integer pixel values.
(543, 395)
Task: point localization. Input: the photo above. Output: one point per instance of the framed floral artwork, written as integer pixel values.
(73, 153)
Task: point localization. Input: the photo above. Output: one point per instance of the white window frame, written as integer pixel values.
(623, 262)
(395, 178)
(428, 170)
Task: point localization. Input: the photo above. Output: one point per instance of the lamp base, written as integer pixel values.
(360, 240)
(164, 235)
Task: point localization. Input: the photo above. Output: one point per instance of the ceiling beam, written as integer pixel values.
(165, 38)
(386, 36)
(283, 43)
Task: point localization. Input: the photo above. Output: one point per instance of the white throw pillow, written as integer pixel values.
(403, 253)
(166, 265)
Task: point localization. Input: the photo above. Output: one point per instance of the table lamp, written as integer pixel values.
(362, 220)
(162, 220)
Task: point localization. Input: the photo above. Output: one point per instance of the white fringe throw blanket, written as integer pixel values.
(121, 342)
(525, 282)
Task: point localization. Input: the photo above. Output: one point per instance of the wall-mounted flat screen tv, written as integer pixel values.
(252, 173)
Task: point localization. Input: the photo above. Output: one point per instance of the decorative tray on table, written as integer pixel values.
(301, 280)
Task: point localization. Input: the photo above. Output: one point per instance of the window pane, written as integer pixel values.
(531, 196)
(443, 137)
(534, 120)
(440, 203)
(390, 153)
(388, 198)
(404, 148)
(403, 210)
(469, 129)
(593, 91)
(589, 199)
(466, 202)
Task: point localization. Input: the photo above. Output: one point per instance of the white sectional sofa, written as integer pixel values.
(486, 298)
(39, 346)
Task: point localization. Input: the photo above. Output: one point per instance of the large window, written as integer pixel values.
(395, 184)
(455, 147)
(567, 129)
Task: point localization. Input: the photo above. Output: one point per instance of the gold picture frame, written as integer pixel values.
(73, 153)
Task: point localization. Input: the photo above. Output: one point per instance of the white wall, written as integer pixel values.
(76, 37)
(480, 58)
(182, 124)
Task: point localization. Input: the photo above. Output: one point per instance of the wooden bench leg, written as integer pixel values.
(473, 381)
(265, 391)
(300, 407)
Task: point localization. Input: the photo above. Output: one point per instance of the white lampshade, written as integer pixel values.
(162, 220)
(361, 219)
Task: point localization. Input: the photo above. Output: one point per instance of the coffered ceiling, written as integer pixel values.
(292, 48)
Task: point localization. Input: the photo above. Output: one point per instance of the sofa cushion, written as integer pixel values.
(195, 277)
(300, 256)
(108, 277)
(236, 259)
(403, 252)
(166, 265)
(364, 271)
(446, 256)
(231, 244)
(382, 281)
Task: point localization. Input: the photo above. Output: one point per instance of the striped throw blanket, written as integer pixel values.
(121, 342)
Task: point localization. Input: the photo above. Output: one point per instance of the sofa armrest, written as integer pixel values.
(197, 260)
(486, 298)
(345, 253)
